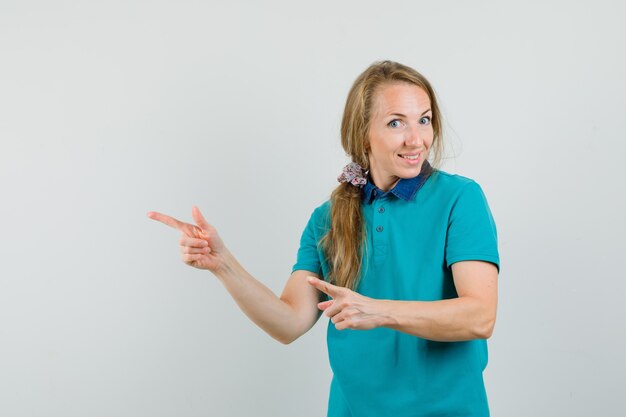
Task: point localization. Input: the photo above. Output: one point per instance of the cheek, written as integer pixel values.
(377, 145)
(429, 137)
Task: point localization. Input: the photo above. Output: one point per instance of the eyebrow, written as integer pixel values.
(403, 115)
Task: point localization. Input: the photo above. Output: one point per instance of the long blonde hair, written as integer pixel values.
(343, 244)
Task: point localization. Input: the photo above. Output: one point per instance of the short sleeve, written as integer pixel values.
(472, 233)
(308, 256)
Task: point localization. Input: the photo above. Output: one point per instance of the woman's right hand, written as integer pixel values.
(200, 245)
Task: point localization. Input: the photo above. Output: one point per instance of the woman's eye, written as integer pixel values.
(425, 120)
(395, 123)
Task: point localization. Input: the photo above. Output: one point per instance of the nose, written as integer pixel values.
(413, 137)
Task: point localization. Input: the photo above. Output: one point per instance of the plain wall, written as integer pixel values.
(112, 109)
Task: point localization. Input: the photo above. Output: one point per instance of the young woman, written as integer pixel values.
(403, 259)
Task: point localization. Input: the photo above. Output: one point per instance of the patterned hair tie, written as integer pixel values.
(353, 173)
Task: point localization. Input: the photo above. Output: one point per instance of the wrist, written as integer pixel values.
(386, 313)
(228, 267)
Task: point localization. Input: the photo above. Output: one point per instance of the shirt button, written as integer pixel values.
(381, 209)
(379, 228)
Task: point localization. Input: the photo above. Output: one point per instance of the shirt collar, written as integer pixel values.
(405, 189)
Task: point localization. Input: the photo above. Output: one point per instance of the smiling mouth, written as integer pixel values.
(410, 157)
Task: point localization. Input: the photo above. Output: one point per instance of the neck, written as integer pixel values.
(385, 184)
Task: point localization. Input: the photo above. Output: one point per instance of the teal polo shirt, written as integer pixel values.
(414, 233)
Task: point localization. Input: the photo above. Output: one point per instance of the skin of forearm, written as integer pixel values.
(456, 319)
(258, 302)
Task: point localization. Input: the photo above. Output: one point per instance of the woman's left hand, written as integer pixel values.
(348, 309)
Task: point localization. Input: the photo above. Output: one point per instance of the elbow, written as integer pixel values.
(487, 329)
(286, 339)
(484, 323)
(485, 333)
(484, 330)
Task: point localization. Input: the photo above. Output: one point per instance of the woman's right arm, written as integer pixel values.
(285, 318)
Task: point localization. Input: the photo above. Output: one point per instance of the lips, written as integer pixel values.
(410, 157)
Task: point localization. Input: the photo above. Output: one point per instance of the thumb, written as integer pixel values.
(199, 219)
(325, 304)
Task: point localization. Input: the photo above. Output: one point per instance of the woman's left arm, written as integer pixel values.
(470, 316)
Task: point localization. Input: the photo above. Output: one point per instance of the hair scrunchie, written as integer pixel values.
(353, 173)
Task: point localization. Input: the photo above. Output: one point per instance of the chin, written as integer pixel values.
(410, 172)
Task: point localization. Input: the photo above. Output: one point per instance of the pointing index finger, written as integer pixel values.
(165, 219)
(323, 286)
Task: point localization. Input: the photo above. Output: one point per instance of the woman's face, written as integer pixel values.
(400, 133)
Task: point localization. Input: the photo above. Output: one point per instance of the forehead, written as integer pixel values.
(401, 98)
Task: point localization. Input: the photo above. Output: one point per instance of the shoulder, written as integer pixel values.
(451, 184)
(462, 197)
(321, 213)
(319, 221)
(322, 209)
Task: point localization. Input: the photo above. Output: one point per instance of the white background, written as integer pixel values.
(111, 109)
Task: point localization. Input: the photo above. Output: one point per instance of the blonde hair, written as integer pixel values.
(343, 244)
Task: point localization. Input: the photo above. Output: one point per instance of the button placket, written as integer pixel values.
(380, 236)
(380, 219)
